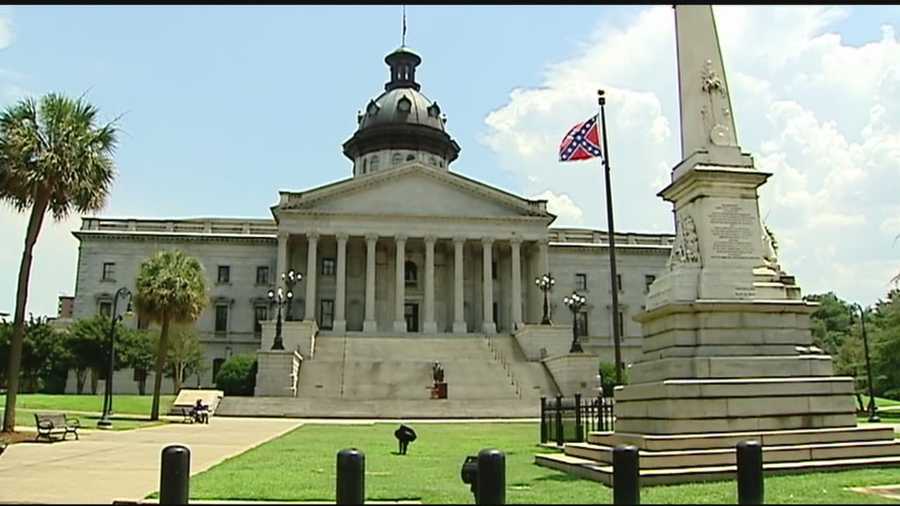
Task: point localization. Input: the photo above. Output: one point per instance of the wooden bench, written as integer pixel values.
(50, 424)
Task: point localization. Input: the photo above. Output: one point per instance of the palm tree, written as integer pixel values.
(170, 288)
(53, 156)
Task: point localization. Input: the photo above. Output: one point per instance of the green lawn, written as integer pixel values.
(122, 404)
(301, 466)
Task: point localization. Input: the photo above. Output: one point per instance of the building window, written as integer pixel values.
(410, 157)
(221, 318)
(494, 271)
(142, 322)
(224, 274)
(619, 282)
(326, 314)
(411, 273)
(140, 374)
(260, 314)
(106, 308)
(373, 166)
(109, 271)
(648, 280)
(621, 324)
(581, 324)
(580, 281)
(262, 275)
(217, 364)
(328, 266)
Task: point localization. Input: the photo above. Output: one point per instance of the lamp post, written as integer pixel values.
(105, 422)
(873, 410)
(545, 282)
(290, 278)
(280, 297)
(575, 302)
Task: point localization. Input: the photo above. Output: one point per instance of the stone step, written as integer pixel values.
(592, 470)
(730, 439)
(379, 409)
(726, 456)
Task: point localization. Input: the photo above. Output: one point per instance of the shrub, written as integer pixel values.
(237, 376)
(608, 373)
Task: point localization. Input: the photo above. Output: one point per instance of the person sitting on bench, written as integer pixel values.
(201, 412)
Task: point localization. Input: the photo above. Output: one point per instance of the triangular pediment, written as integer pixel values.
(414, 190)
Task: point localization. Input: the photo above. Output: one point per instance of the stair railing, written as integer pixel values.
(498, 356)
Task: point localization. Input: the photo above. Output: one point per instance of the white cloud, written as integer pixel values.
(566, 210)
(6, 32)
(821, 115)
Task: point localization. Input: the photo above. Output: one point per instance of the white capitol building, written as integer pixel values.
(404, 248)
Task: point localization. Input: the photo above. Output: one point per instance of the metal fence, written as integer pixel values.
(571, 420)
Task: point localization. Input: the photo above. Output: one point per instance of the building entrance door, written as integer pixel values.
(411, 313)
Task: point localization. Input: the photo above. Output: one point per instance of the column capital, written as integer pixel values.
(342, 236)
(430, 239)
(313, 235)
(516, 239)
(371, 237)
(400, 237)
(487, 241)
(459, 240)
(283, 236)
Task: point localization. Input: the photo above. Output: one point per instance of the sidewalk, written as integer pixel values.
(104, 466)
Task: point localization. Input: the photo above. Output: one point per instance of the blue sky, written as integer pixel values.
(223, 105)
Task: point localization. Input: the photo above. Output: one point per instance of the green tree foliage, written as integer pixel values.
(607, 372)
(184, 355)
(884, 342)
(139, 353)
(54, 156)
(45, 356)
(237, 376)
(170, 288)
(830, 322)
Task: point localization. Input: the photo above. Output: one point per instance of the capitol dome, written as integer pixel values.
(401, 125)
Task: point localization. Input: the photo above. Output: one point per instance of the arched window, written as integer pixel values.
(396, 158)
(373, 165)
(411, 274)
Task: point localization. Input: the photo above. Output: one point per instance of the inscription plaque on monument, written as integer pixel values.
(732, 226)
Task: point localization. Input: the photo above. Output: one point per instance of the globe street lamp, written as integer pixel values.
(545, 283)
(280, 297)
(105, 422)
(873, 410)
(575, 302)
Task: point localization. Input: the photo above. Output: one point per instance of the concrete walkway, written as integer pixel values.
(104, 466)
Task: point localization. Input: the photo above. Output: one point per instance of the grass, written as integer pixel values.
(89, 403)
(301, 466)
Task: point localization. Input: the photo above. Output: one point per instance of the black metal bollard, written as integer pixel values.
(626, 475)
(491, 477)
(351, 477)
(174, 475)
(543, 419)
(750, 472)
(560, 438)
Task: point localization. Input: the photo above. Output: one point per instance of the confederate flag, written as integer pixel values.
(582, 142)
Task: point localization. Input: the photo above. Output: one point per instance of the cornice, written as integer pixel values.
(175, 237)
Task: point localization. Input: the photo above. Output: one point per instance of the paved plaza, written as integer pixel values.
(106, 466)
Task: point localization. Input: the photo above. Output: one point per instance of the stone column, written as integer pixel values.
(430, 326)
(369, 324)
(312, 244)
(400, 284)
(283, 258)
(516, 285)
(340, 290)
(488, 326)
(543, 256)
(459, 322)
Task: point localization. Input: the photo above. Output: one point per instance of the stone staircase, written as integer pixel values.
(703, 457)
(390, 376)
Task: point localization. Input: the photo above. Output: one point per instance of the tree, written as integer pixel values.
(830, 321)
(237, 376)
(884, 342)
(170, 288)
(139, 353)
(53, 157)
(184, 356)
(88, 343)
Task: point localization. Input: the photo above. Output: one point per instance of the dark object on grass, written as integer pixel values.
(469, 474)
(404, 435)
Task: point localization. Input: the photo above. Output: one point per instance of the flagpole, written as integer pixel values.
(613, 276)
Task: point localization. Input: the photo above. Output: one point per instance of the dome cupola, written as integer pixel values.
(401, 125)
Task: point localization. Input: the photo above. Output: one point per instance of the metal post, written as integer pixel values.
(351, 477)
(626, 475)
(612, 242)
(278, 342)
(174, 475)
(543, 419)
(873, 416)
(491, 477)
(559, 426)
(579, 430)
(750, 472)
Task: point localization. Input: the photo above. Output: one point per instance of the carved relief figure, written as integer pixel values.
(686, 248)
(770, 249)
(720, 133)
